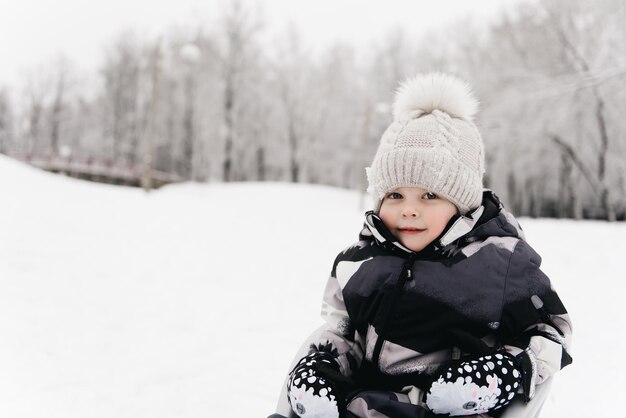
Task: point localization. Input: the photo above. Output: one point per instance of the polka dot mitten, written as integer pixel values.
(475, 386)
(316, 388)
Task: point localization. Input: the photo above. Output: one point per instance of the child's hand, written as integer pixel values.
(475, 386)
(316, 387)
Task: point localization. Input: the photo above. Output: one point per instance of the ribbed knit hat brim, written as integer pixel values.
(431, 170)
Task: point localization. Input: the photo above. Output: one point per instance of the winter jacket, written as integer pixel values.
(396, 317)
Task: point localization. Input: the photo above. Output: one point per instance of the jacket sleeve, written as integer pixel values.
(338, 334)
(535, 326)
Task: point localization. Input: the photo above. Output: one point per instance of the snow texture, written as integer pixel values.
(191, 301)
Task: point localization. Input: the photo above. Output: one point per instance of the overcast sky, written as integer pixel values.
(32, 32)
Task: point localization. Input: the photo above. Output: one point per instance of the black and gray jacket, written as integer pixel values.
(396, 316)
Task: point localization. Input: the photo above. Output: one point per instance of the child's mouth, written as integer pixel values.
(411, 230)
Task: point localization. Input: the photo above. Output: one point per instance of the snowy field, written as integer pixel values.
(190, 301)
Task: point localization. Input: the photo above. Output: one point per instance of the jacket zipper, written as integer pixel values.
(405, 276)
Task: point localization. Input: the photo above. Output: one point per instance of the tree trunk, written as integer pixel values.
(294, 169)
(228, 129)
(609, 210)
(564, 208)
(188, 129)
(260, 164)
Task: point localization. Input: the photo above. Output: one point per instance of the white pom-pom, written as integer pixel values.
(425, 93)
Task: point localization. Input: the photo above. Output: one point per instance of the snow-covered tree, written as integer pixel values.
(121, 74)
(6, 123)
(219, 104)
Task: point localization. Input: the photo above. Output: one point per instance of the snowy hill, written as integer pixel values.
(190, 301)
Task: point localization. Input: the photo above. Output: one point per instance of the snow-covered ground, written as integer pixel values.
(190, 301)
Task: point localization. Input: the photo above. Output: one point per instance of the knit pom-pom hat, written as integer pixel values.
(432, 143)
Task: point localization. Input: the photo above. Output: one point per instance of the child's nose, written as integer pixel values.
(410, 211)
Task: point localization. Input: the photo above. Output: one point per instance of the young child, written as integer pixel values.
(440, 307)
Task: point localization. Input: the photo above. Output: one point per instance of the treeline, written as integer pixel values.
(216, 103)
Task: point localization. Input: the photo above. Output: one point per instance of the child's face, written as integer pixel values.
(415, 216)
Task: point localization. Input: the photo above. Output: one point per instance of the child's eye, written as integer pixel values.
(430, 196)
(394, 195)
